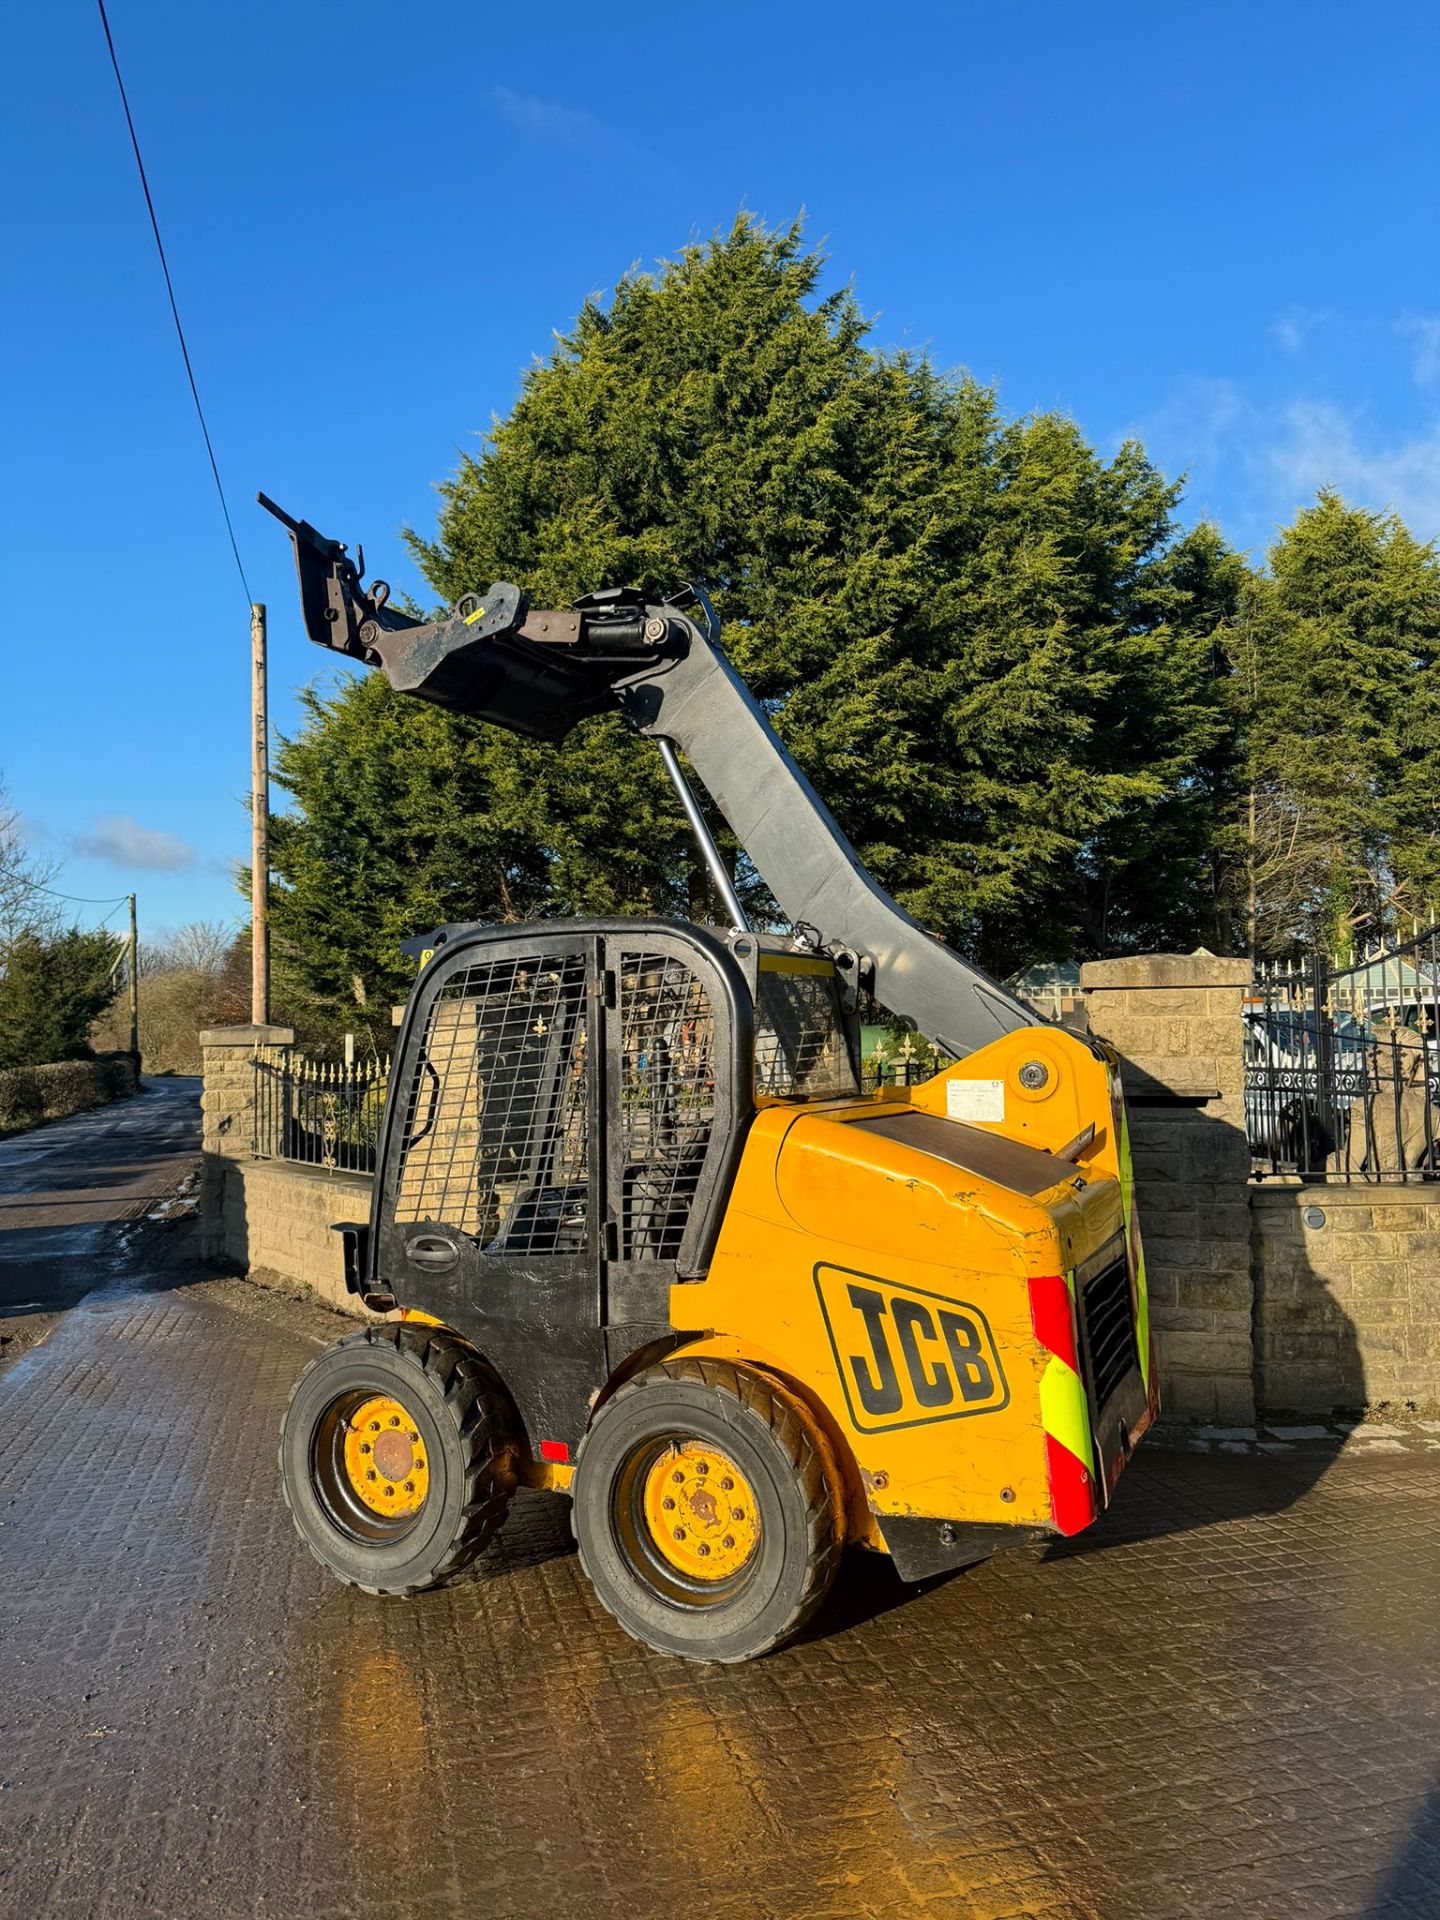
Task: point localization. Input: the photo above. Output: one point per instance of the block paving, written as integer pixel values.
(1224, 1702)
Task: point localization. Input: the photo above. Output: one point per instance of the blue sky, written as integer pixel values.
(1211, 224)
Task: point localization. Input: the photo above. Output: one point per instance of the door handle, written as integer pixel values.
(433, 1252)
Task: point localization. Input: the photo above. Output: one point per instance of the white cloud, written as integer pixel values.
(121, 841)
(1252, 467)
(1424, 330)
(546, 119)
(1321, 445)
(1294, 327)
(1196, 424)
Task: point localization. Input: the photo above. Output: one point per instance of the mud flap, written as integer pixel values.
(922, 1548)
(355, 1250)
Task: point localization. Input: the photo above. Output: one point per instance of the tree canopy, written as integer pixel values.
(1052, 722)
(983, 640)
(1336, 654)
(25, 901)
(52, 986)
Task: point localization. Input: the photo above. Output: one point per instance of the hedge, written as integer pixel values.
(29, 1095)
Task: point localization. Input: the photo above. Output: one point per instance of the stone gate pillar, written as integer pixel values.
(228, 1121)
(1175, 1020)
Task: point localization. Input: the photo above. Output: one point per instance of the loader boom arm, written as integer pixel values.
(701, 704)
(540, 673)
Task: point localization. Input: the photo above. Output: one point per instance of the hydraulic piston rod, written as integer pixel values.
(700, 827)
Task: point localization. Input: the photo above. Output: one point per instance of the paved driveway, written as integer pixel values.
(1226, 1705)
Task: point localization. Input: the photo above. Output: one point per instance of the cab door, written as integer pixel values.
(491, 1207)
(678, 1064)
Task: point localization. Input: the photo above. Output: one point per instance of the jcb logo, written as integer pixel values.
(907, 1357)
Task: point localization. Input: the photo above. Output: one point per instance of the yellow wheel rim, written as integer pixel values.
(385, 1459)
(700, 1511)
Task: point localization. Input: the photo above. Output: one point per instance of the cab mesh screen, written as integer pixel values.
(667, 1100)
(800, 1044)
(496, 1128)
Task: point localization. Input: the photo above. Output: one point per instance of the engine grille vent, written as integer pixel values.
(1109, 1329)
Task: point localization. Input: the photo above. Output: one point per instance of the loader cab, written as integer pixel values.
(567, 1107)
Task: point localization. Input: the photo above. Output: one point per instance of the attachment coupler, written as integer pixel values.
(492, 657)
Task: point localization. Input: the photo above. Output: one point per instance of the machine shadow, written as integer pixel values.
(1306, 1364)
(866, 1588)
(1222, 1280)
(1411, 1886)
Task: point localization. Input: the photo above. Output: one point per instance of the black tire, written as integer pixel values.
(769, 1436)
(465, 1440)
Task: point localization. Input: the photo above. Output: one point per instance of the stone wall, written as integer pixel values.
(1347, 1296)
(272, 1220)
(268, 1218)
(1175, 1021)
(1290, 1298)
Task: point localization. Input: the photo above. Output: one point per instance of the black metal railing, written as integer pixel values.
(1342, 1065)
(900, 1064)
(322, 1113)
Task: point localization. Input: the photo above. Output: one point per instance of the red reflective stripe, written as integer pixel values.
(555, 1450)
(1072, 1492)
(1053, 1317)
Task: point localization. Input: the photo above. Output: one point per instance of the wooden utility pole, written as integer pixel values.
(134, 969)
(259, 824)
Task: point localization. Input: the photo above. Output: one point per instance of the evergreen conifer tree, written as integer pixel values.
(1337, 656)
(981, 639)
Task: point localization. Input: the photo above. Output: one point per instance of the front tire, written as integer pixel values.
(703, 1511)
(397, 1454)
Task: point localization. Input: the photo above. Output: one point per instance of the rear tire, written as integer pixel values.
(703, 1512)
(397, 1454)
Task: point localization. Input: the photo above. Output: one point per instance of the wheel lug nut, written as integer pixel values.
(370, 1473)
(737, 1513)
(374, 1426)
(394, 1419)
(667, 1503)
(702, 1550)
(727, 1485)
(677, 1476)
(364, 1446)
(728, 1541)
(409, 1486)
(702, 1466)
(679, 1533)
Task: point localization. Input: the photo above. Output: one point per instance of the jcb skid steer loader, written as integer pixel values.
(643, 1237)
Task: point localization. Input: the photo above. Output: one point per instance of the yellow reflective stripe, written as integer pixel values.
(471, 618)
(794, 963)
(1132, 1235)
(1063, 1410)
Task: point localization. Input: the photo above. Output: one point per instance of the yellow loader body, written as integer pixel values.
(898, 1289)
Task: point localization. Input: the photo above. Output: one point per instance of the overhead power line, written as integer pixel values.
(174, 308)
(77, 899)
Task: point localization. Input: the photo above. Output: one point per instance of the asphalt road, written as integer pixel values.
(1221, 1704)
(68, 1189)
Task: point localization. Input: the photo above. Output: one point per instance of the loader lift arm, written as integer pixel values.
(540, 673)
